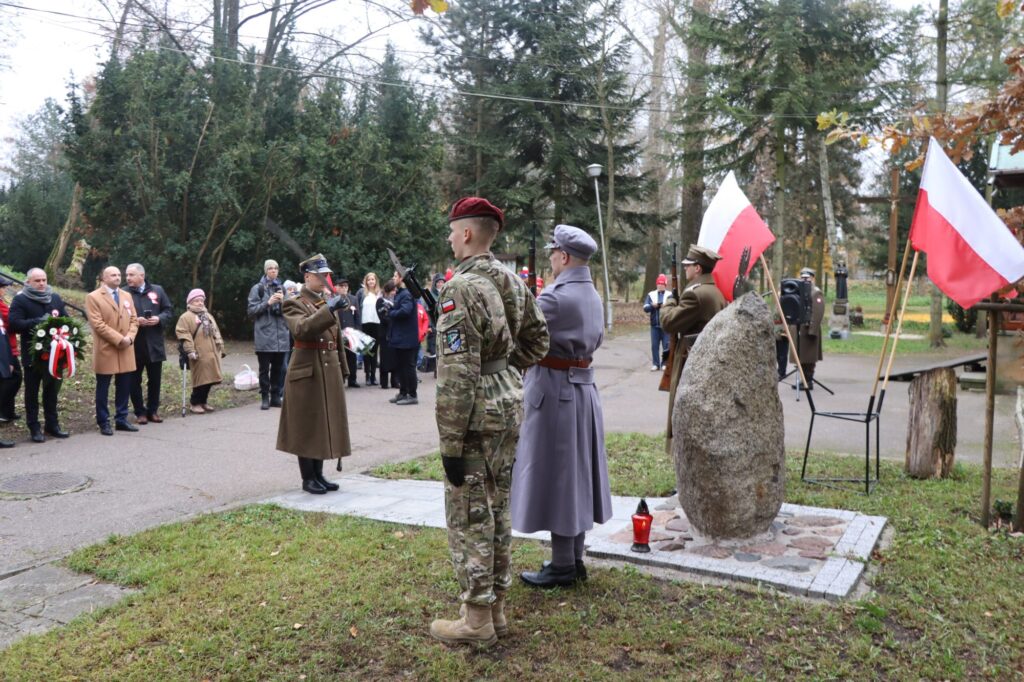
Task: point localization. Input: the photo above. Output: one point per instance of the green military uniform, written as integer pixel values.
(489, 329)
(699, 301)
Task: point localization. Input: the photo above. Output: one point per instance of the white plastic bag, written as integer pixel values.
(358, 341)
(246, 379)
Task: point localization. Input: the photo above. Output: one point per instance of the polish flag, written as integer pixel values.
(971, 252)
(731, 224)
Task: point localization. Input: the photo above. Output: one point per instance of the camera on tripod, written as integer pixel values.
(795, 297)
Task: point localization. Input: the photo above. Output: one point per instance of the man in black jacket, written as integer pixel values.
(153, 308)
(34, 304)
(347, 319)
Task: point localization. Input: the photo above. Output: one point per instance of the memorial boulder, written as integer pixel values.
(728, 444)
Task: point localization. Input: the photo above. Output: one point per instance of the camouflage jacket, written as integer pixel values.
(487, 314)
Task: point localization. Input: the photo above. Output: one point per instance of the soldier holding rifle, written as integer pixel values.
(686, 318)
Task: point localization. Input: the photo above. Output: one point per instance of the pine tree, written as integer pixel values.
(772, 67)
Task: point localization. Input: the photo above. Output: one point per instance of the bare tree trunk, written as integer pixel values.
(931, 427)
(942, 27)
(654, 159)
(692, 200)
(779, 228)
(60, 247)
(115, 44)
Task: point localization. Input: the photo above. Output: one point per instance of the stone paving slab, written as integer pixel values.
(831, 576)
(49, 596)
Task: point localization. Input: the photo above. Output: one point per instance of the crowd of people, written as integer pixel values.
(383, 334)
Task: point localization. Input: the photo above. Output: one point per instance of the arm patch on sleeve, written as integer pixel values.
(454, 341)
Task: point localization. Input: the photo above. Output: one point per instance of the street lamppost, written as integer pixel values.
(594, 171)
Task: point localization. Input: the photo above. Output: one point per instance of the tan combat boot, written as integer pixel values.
(497, 614)
(475, 627)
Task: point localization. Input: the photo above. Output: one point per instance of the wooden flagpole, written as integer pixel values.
(888, 316)
(782, 316)
(899, 323)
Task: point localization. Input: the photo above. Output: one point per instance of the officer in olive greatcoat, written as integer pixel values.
(808, 336)
(699, 302)
(314, 419)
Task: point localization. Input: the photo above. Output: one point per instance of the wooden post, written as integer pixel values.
(990, 406)
(931, 427)
(890, 307)
(899, 324)
(1018, 520)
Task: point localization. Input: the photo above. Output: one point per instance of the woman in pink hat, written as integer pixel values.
(200, 338)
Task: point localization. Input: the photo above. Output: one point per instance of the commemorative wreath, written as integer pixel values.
(58, 343)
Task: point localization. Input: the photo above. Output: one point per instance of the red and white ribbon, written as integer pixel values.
(61, 349)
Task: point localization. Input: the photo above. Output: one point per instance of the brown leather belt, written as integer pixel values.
(316, 345)
(564, 364)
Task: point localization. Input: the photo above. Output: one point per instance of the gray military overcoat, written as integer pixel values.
(560, 478)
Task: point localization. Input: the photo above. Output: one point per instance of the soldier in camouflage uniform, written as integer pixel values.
(489, 329)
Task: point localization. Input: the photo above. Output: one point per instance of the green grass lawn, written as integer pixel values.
(264, 593)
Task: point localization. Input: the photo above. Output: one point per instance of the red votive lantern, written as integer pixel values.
(642, 521)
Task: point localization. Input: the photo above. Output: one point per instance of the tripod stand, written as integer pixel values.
(798, 384)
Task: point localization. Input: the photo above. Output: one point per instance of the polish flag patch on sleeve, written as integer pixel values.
(447, 305)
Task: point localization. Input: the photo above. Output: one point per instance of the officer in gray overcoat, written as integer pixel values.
(560, 479)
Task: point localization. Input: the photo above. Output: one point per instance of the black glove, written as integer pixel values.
(454, 470)
(335, 302)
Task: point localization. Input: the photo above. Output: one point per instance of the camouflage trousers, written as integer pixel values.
(478, 516)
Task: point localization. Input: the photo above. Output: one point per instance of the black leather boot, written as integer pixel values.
(550, 576)
(309, 483)
(265, 402)
(581, 570)
(328, 485)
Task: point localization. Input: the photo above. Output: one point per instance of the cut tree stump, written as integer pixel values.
(931, 427)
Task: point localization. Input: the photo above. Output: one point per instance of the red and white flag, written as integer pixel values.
(971, 252)
(730, 225)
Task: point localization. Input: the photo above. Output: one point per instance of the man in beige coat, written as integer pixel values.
(114, 325)
(314, 419)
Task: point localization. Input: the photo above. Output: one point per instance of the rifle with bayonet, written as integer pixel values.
(408, 275)
(531, 277)
(666, 375)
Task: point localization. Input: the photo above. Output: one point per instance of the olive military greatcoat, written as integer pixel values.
(698, 303)
(808, 337)
(314, 419)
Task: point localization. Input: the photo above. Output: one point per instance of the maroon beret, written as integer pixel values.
(476, 207)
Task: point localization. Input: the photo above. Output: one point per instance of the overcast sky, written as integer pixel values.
(46, 50)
